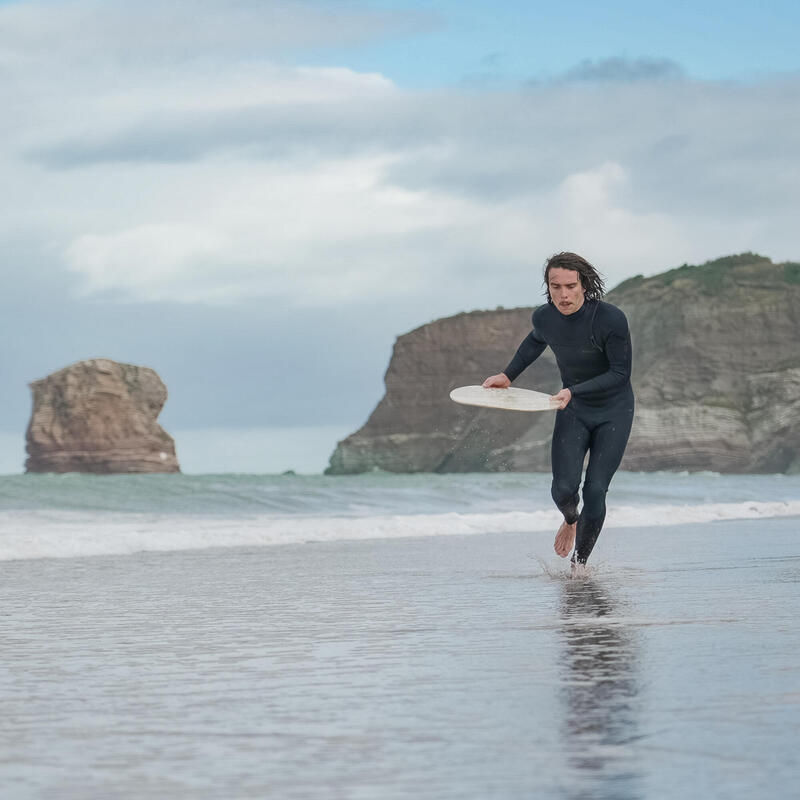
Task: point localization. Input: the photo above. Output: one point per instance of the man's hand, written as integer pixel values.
(563, 398)
(500, 381)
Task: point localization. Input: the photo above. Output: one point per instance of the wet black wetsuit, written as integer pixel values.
(593, 351)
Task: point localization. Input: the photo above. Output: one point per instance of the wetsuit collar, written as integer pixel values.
(575, 315)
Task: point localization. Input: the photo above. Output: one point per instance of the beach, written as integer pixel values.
(260, 259)
(442, 666)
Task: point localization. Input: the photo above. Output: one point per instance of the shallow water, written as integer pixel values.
(441, 667)
(66, 516)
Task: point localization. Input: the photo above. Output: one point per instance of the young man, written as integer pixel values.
(592, 346)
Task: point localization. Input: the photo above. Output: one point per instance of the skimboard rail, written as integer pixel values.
(511, 399)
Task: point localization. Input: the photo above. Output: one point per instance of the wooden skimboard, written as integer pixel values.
(510, 399)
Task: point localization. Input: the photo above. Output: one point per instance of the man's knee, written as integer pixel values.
(594, 500)
(563, 492)
(565, 496)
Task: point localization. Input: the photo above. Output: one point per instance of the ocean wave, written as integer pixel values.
(72, 534)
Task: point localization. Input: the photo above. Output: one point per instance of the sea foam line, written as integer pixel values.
(67, 534)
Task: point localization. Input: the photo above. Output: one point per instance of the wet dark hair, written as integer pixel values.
(591, 281)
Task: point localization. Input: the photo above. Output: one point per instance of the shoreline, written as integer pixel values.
(67, 542)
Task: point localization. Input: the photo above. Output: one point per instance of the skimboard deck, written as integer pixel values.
(510, 399)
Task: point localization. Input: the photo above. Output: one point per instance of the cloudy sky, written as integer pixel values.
(255, 198)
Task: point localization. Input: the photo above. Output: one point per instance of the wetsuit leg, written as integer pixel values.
(571, 440)
(606, 448)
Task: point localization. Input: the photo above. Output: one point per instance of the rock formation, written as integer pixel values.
(99, 416)
(716, 374)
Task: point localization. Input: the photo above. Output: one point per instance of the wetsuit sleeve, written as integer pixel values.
(617, 347)
(530, 349)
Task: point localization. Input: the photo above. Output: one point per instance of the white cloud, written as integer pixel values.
(174, 31)
(149, 257)
(329, 234)
(339, 233)
(589, 214)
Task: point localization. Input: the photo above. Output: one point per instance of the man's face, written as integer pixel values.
(566, 289)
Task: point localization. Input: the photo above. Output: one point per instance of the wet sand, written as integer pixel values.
(452, 667)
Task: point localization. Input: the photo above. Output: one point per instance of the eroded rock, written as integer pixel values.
(99, 416)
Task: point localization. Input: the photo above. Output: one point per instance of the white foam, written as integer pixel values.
(66, 534)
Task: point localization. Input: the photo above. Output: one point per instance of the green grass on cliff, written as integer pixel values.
(713, 275)
(791, 270)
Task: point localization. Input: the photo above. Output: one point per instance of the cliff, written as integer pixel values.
(716, 374)
(99, 416)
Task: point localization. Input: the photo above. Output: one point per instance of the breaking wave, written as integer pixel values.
(56, 533)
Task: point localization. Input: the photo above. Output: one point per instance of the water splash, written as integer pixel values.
(566, 570)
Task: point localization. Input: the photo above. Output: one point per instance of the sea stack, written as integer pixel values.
(99, 416)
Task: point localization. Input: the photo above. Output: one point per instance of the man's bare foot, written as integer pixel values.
(565, 538)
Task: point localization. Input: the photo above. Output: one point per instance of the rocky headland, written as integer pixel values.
(99, 416)
(716, 374)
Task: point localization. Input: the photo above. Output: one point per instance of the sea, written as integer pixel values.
(396, 636)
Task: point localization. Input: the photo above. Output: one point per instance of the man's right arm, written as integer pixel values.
(530, 349)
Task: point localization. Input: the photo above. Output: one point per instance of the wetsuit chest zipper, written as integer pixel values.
(591, 329)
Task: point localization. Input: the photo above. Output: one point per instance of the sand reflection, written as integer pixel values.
(599, 692)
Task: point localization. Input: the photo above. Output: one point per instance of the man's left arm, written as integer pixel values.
(617, 348)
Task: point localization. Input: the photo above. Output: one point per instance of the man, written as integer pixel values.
(592, 346)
